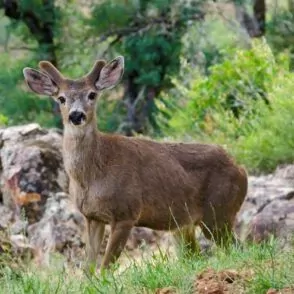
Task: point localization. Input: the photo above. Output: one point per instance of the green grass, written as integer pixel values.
(271, 268)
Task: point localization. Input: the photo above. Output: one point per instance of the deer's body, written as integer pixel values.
(127, 178)
(128, 182)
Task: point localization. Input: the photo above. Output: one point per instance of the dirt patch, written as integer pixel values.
(223, 282)
(166, 290)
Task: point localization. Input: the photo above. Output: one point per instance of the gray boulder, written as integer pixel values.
(269, 207)
(32, 168)
(60, 229)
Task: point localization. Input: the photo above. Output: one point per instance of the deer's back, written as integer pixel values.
(197, 156)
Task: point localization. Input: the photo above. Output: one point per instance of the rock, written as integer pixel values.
(21, 246)
(276, 218)
(140, 237)
(12, 239)
(269, 206)
(19, 227)
(61, 227)
(32, 168)
(14, 246)
(6, 217)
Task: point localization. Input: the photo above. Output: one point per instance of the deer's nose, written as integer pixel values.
(77, 117)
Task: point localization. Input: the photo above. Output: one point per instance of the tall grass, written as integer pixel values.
(270, 267)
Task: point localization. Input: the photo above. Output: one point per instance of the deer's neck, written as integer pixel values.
(81, 152)
(79, 137)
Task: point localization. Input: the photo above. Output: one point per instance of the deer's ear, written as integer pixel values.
(39, 82)
(94, 74)
(110, 74)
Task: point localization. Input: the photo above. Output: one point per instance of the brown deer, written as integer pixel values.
(127, 182)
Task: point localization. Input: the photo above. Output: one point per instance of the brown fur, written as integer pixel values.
(128, 182)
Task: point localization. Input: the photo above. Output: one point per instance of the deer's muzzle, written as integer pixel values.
(77, 117)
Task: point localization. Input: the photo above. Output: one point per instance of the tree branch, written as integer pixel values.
(23, 48)
(140, 25)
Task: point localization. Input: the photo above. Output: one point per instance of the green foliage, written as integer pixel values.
(244, 75)
(149, 35)
(46, 12)
(203, 84)
(262, 136)
(157, 57)
(110, 114)
(280, 30)
(269, 141)
(17, 105)
(206, 43)
(112, 15)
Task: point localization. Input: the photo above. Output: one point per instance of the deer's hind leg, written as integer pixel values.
(219, 215)
(219, 230)
(185, 241)
(223, 200)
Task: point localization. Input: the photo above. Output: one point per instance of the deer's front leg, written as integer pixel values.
(120, 232)
(95, 234)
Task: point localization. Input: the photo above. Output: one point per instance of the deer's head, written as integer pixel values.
(77, 98)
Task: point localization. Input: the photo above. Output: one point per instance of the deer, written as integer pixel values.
(126, 182)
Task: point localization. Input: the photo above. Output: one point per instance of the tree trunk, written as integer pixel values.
(255, 24)
(139, 101)
(259, 11)
(291, 6)
(134, 101)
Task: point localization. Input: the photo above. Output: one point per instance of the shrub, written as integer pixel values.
(243, 76)
(260, 136)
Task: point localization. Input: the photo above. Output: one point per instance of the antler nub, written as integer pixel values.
(52, 71)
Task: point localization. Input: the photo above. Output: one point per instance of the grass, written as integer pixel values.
(270, 267)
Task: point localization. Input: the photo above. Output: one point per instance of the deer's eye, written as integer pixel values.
(61, 99)
(92, 95)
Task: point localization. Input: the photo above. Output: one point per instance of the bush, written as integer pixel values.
(243, 76)
(260, 136)
(270, 141)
